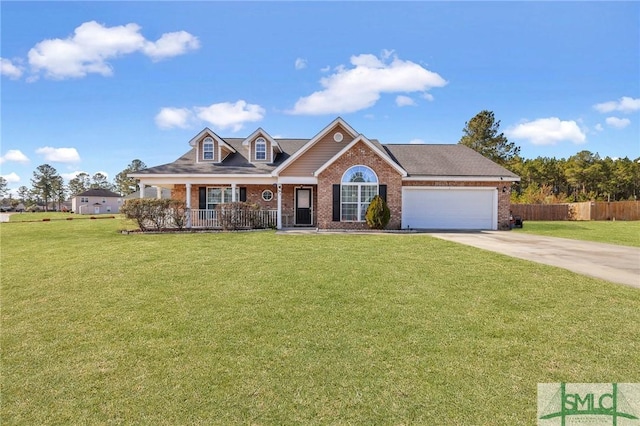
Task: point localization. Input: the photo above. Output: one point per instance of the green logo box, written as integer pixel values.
(593, 404)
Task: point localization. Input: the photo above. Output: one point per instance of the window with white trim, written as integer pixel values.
(207, 149)
(358, 187)
(261, 149)
(217, 196)
(267, 195)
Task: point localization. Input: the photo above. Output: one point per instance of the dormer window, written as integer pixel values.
(261, 149)
(207, 149)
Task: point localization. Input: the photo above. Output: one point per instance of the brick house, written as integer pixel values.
(327, 181)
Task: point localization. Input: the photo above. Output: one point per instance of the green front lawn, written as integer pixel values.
(43, 216)
(626, 233)
(263, 328)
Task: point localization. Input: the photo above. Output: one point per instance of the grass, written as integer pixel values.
(261, 328)
(626, 233)
(44, 216)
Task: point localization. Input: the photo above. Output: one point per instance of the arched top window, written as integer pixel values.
(358, 187)
(207, 148)
(360, 174)
(261, 149)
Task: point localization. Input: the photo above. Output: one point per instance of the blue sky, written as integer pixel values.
(90, 86)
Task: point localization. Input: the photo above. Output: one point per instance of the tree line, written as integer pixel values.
(584, 176)
(48, 187)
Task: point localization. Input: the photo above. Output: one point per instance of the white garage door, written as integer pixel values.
(449, 208)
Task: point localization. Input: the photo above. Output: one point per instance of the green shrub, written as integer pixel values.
(378, 213)
(156, 214)
(239, 215)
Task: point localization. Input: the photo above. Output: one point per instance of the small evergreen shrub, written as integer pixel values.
(378, 213)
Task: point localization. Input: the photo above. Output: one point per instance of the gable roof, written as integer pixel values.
(267, 136)
(314, 140)
(207, 131)
(374, 147)
(445, 160)
(98, 192)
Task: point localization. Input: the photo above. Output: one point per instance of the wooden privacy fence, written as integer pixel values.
(590, 210)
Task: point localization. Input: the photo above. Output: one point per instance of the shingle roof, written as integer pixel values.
(236, 163)
(418, 160)
(98, 192)
(444, 160)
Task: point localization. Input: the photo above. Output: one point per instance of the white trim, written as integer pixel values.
(207, 131)
(210, 179)
(274, 144)
(366, 141)
(313, 141)
(461, 178)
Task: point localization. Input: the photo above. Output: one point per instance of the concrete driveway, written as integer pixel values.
(619, 264)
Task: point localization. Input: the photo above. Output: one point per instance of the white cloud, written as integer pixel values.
(360, 87)
(326, 69)
(599, 127)
(301, 63)
(11, 177)
(625, 104)
(168, 118)
(548, 131)
(227, 115)
(171, 44)
(92, 45)
(428, 96)
(9, 69)
(69, 176)
(618, 123)
(14, 155)
(416, 142)
(402, 100)
(221, 115)
(59, 155)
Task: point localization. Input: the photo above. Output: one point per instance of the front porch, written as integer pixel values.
(276, 205)
(236, 219)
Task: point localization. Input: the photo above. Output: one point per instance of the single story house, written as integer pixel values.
(96, 201)
(328, 181)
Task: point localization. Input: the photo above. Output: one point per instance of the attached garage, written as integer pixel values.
(473, 208)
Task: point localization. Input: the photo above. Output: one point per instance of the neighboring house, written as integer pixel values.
(151, 192)
(328, 181)
(96, 201)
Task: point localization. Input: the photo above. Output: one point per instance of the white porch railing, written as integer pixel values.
(233, 219)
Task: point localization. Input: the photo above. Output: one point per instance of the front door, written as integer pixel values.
(303, 206)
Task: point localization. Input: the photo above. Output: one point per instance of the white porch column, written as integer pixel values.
(188, 204)
(279, 218)
(188, 200)
(233, 193)
(141, 186)
(158, 192)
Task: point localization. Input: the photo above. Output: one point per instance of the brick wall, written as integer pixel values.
(359, 154)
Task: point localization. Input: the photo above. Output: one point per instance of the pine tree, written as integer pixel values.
(481, 135)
